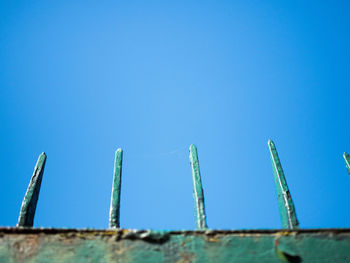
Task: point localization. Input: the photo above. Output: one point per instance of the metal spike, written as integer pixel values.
(198, 195)
(114, 210)
(347, 161)
(285, 202)
(27, 213)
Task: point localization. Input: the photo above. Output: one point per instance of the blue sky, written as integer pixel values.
(78, 79)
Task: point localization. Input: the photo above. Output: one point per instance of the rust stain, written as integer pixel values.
(285, 233)
(213, 239)
(26, 247)
(186, 258)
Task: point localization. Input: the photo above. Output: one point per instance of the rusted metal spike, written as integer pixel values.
(347, 161)
(198, 195)
(114, 210)
(285, 202)
(27, 213)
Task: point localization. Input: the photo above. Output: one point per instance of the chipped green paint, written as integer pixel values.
(120, 245)
(114, 211)
(27, 213)
(198, 195)
(347, 161)
(285, 202)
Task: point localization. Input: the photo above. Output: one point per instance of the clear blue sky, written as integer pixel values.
(78, 79)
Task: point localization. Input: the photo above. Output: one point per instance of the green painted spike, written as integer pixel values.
(197, 190)
(27, 213)
(285, 202)
(114, 211)
(347, 161)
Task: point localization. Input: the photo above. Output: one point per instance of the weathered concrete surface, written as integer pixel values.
(69, 245)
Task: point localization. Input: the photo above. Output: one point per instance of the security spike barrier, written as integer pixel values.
(114, 211)
(285, 202)
(198, 194)
(291, 244)
(347, 161)
(27, 213)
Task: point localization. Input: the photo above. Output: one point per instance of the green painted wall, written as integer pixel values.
(64, 245)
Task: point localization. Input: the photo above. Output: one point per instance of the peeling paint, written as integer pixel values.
(123, 245)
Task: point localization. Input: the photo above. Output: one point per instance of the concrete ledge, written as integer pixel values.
(123, 245)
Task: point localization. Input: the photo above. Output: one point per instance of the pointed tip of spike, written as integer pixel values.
(345, 154)
(42, 156)
(119, 150)
(192, 146)
(270, 142)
